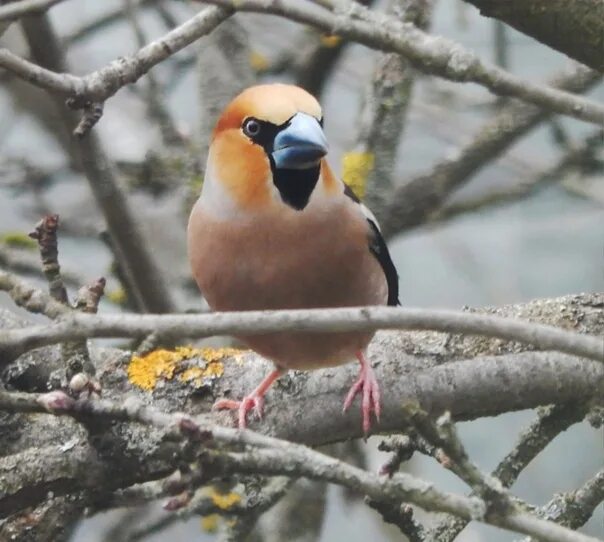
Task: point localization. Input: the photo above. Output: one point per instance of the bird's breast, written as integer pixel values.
(284, 260)
(288, 261)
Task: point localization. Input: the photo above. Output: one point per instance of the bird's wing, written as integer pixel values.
(377, 246)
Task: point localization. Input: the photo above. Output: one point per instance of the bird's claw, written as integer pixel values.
(249, 402)
(368, 385)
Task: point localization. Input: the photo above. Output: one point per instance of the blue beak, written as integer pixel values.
(301, 144)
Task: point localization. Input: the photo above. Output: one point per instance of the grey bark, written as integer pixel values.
(465, 375)
(573, 27)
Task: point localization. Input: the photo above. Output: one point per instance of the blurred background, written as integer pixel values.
(546, 243)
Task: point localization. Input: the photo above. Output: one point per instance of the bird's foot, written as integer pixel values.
(249, 402)
(366, 384)
(254, 401)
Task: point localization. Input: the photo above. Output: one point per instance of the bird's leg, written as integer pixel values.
(254, 400)
(368, 385)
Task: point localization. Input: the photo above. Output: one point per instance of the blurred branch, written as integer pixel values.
(100, 23)
(413, 202)
(573, 27)
(13, 10)
(431, 54)
(84, 326)
(400, 515)
(132, 250)
(570, 160)
(97, 86)
(501, 45)
(278, 457)
(319, 61)
(260, 498)
(551, 421)
(156, 106)
(20, 261)
(384, 112)
(54, 519)
(574, 509)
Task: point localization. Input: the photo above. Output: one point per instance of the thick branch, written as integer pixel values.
(574, 27)
(435, 371)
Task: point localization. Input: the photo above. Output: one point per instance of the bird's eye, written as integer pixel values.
(251, 127)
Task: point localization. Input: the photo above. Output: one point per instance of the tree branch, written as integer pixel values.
(434, 55)
(277, 457)
(574, 27)
(97, 86)
(82, 326)
(144, 278)
(412, 203)
(14, 10)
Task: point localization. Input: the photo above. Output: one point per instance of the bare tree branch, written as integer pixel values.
(14, 10)
(574, 509)
(434, 55)
(277, 457)
(81, 326)
(574, 27)
(97, 86)
(413, 202)
(575, 158)
(143, 276)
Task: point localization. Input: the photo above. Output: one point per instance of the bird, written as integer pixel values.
(274, 228)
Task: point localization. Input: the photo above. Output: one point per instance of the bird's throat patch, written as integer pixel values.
(296, 185)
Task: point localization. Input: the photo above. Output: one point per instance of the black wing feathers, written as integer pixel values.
(378, 248)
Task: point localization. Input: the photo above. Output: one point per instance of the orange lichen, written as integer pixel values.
(145, 371)
(330, 40)
(259, 62)
(210, 523)
(224, 501)
(356, 167)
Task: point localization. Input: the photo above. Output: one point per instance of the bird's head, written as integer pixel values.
(267, 144)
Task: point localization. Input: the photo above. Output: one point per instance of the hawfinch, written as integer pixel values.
(274, 228)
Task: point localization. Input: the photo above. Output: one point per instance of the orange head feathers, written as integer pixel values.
(267, 146)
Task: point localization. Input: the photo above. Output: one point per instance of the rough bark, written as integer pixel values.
(573, 27)
(471, 377)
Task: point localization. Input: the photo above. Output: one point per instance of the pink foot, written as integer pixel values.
(368, 385)
(249, 402)
(254, 401)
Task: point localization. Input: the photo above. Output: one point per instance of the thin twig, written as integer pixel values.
(97, 86)
(277, 457)
(412, 203)
(130, 247)
(14, 10)
(571, 160)
(46, 236)
(434, 55)
(79, 326)
(551, 421)
(30, 298)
